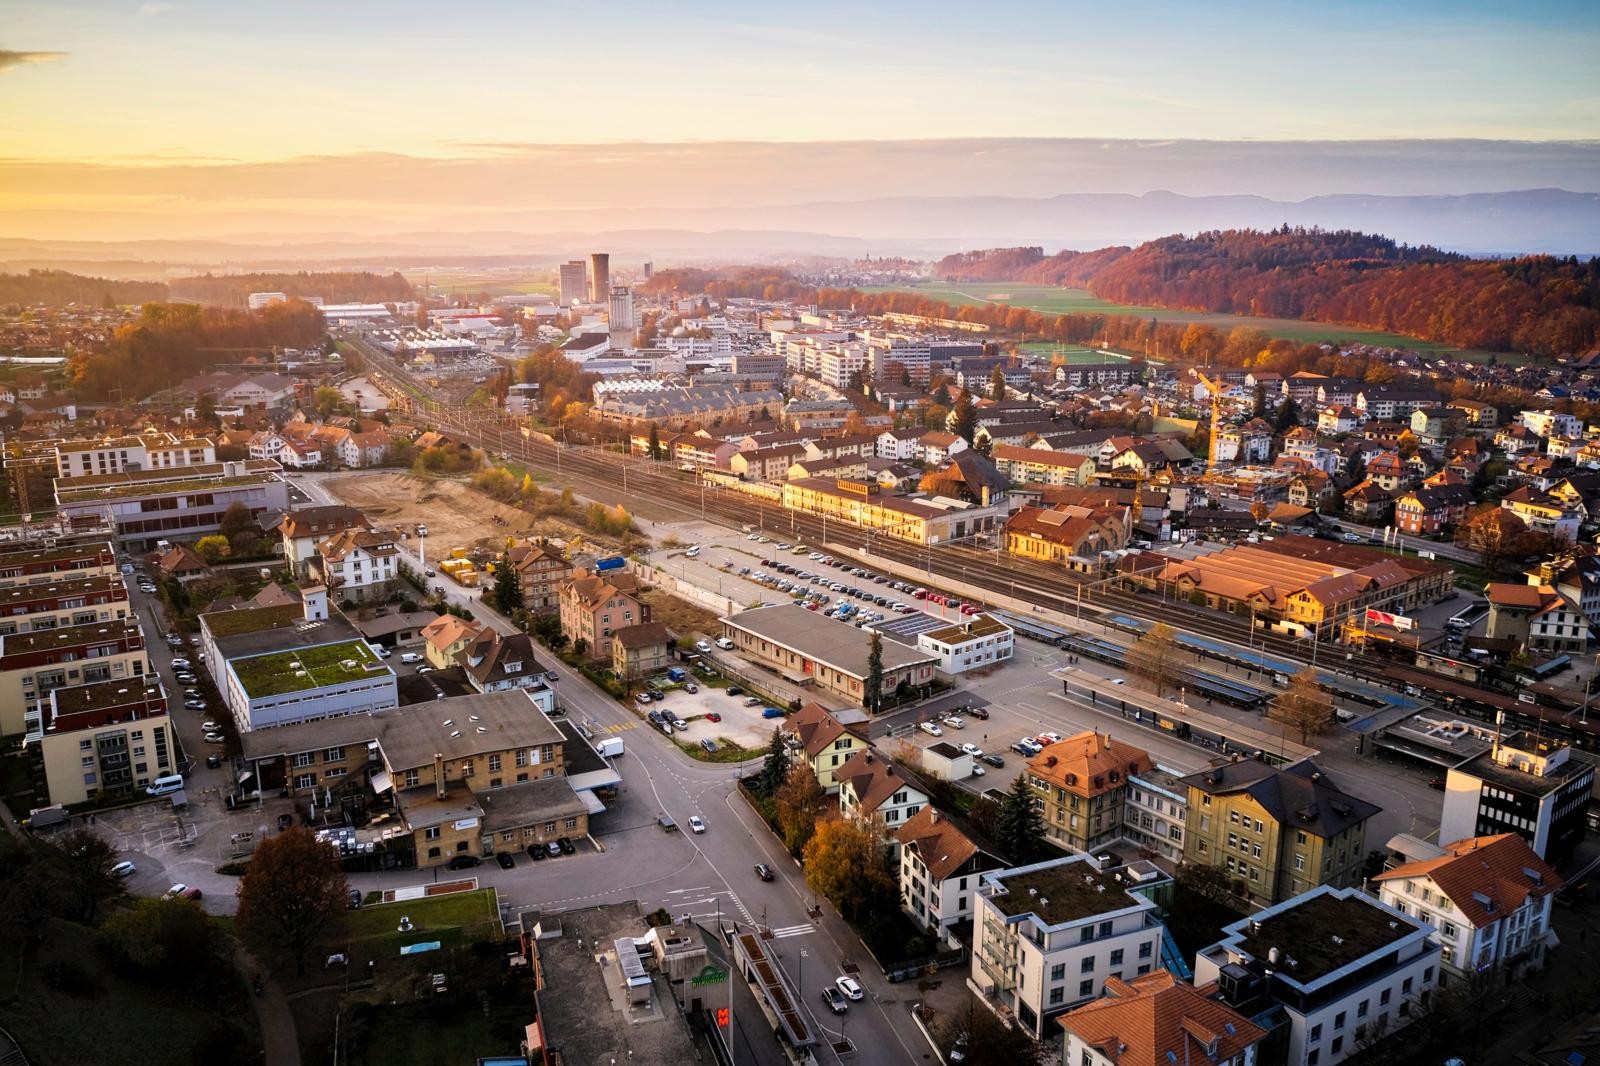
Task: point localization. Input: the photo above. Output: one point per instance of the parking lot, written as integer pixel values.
(739, 723)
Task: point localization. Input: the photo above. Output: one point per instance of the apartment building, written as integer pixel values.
(63, 602)
(939, 868)
(917, 519)
(1154, 812)
(33, 566)
(540, 572)
(1533, 786)
(827, 744)
(975, 643)
(1487, 900)
(1042, 466)
(113, 455)
(594, 607)
(106, 738)
(1080, 785)
(174, 503)
(872, 789)
(34, 664)
(304, 529)
(1275, 832)
(1329, 969)
(301, 662)
(1049, 935)
(1156, 1019)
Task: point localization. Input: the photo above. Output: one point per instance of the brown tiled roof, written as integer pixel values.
(1156, 1020)
(642, 635)
(1506, 594)
(816, 728)
(447, 629)
(1089, 763)
(1487, 877)
(346, 541)
(943, 847)
(872, 778)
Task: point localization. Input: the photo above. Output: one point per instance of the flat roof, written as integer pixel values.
(103, 695)
(24, 556)
(516, 805)
(61, 586)
(1484, 767)
(277, 673)
(463, 727)
(837, 644)
(68, 636)
(162, 488)
(1322, 932)
(1061, 892)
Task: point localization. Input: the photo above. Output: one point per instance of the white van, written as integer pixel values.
(165, 786)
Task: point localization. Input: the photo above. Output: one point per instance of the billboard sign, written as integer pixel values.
(1384, 618)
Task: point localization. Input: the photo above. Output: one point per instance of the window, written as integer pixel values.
(1057, 996)
(1338, 1020)
(1205, 801)
(1361, 1012)
(1085, 988)
(494, 764)
(1233, 816)
(1058, 971)
(549, 827)
(1299, 862)
(333, 755)
(1315, 1034)
(571, 823)
(1300, 838)
(431, 833)
(411, 779)
(1105, 928)
(1405, 987)
(1086, 934)
(1145, 949)
(521, 757)
(1338, 1045)
(304, 759)
(1116, 957)
(466, 767)
(1383, 997)
(1450, 929)
(1087, 966)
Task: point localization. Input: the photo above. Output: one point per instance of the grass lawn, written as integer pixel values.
(418, 1035)
(98, 1015)
(1056, 301)
(450, 919)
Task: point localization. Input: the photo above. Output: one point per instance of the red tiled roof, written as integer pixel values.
(1156, 1020)
(1486, 877)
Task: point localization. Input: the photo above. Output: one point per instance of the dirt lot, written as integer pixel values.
(681, 616)
(456, 516)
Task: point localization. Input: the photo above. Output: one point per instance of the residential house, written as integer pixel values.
(1544, 513)
(871, 788)
(359, 565)
(1536, 617)
(1487, 900)
(183, 564)
(827, 743)
(303, 530)
(940, 866)
(1041, 465)
(1312, 489)
(640, 651)
(1476, 414)
(1159, 1020)
(1427, 511)
(936, 447)
(496, 663)
(1388, 471)
(900, 445)
(445, 637)
(1369, 502)
(1338, 419)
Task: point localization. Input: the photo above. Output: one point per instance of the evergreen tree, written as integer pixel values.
(875, 673)
(776, 766)
(964, 419)
(1260, 408)
(655, 441)
(1019, 828)
(507, 590)
(1355, 469)
(1288, 416)
(997, 384)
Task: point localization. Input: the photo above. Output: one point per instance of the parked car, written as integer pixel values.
(185, 678)
(979, 712)
(932, 729)
(752, 701)
(954, 721)
(535, 852)
(1351, 538)
(701, 645)
(848, 986)
(553, 849)
(410, 657)
(713, 717)
(195, 704)
(724, 643)
(181, 663)
(735, 690)
(763, 871)
(214, 738)
(771, 712)
(465, 862)
(505, 860)
(566, 846)
(697, 824)
(709, 745)
(125, 868)
(972, 750)
(353, 899)
(213, 762)
(834, 999)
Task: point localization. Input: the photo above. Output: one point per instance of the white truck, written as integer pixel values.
(610, 747)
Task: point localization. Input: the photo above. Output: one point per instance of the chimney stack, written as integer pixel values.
(438, 774)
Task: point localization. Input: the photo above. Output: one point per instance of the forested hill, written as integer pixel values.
(1533, 304)
(57, 288)
(335, 287)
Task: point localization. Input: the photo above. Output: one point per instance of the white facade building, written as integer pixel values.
(1048, 935)
(979, 642)
(1156, 805)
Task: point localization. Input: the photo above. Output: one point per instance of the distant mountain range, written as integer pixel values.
(1553, 221)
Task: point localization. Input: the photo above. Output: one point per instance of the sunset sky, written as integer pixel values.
(185, 87)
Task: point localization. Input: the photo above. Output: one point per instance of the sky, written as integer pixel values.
(207, 95)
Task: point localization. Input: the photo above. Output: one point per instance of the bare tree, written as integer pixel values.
(1304, 706)
(1154, 656)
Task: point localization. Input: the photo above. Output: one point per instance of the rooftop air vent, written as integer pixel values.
(455, 732)
(449, 721)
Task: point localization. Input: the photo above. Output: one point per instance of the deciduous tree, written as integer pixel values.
(212, 548)
(86, 859)
(235, 520)
(800, 802)
(847, 863)
(1304, 705)
(1154, 656)
(291, 898)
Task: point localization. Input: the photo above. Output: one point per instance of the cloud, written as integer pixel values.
(9, 59)
(152, 10)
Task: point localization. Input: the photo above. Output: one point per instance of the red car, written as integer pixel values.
(968, 608)
(713, 717)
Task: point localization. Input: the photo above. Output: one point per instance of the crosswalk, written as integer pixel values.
(690, 904)
(794, 930)
(621, 727)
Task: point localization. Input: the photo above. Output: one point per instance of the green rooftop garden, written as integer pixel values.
(280, 672)
(253, 620)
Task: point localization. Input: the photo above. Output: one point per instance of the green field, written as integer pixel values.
(1051, 300)
(494, 282)
(451, 919)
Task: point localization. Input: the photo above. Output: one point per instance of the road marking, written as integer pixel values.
(621, 728)
(686, 891)
(794, 930)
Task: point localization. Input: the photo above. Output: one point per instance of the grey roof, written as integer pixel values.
(283, 628)
(543, 799)
(835, 644)
(461, 728)
(1300, 796)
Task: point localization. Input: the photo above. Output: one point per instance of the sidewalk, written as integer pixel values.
(279, 1040)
